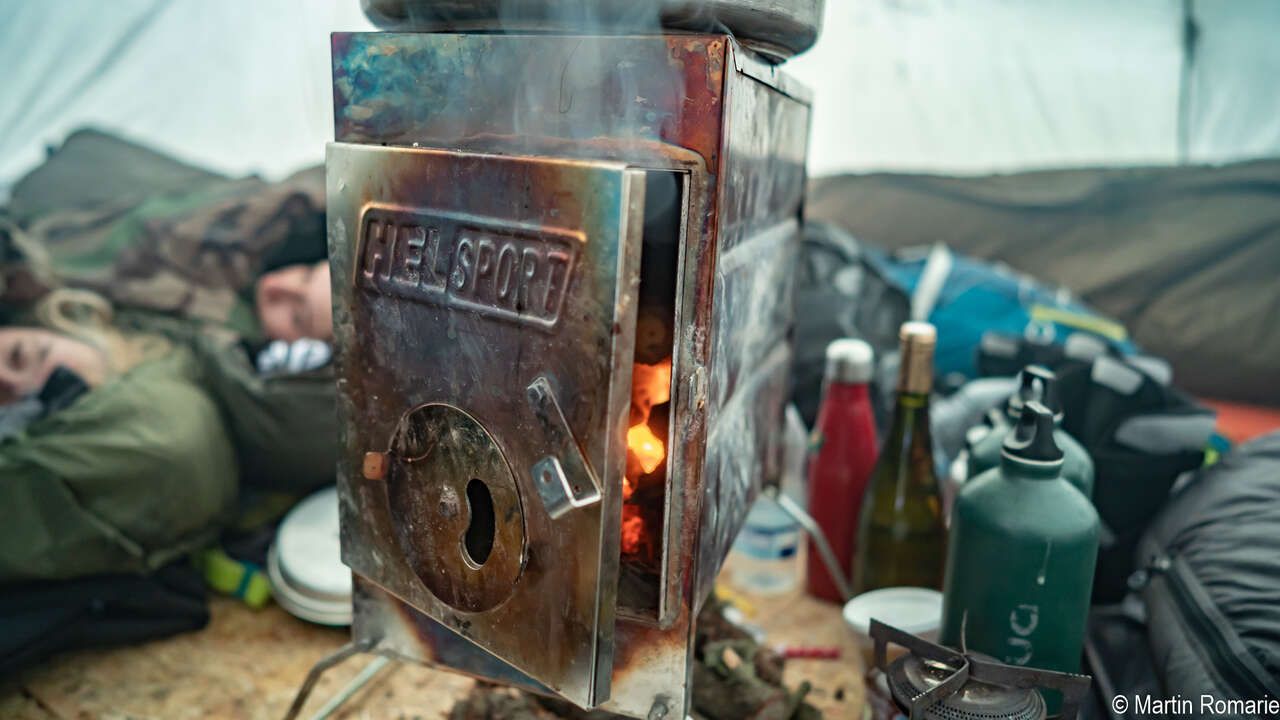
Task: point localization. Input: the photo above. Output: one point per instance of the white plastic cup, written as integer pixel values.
(914, 610)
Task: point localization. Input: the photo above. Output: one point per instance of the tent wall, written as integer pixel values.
(956, 86)
(237, 86)
(976, 86)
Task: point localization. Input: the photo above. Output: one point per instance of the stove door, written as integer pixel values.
(484, 315)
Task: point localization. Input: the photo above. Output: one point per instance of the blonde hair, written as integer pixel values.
(87, 317)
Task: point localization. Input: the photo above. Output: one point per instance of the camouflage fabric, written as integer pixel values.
(131, 476)
(177, 251)
(189, 244)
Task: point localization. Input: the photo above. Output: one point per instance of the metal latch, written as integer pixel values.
(565, 481)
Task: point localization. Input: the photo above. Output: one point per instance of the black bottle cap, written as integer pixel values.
(1039, 384)
(1031, 440)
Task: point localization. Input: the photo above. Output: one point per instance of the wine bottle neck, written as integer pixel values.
(910, 419)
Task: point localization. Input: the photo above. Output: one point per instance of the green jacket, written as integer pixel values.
(145, 468)
(131, 476)
(284, 426)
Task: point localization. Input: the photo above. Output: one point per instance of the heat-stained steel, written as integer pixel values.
(485, 203)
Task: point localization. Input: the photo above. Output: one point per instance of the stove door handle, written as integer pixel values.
(565, 481)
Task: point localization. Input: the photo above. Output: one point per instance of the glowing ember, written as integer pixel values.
(650, 386)
(647, 448)
(634, 537)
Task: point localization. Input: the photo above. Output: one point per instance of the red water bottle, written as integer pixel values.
(842, 452)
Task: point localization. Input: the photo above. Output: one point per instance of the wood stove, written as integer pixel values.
(562, 282)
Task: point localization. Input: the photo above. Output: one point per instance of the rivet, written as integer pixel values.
(375, 465)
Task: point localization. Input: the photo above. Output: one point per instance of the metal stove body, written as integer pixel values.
(496, 204)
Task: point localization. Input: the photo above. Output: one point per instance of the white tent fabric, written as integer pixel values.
(981, 85)
(1001, 85)
(1234, 111)
(977, 86)
(237, 86)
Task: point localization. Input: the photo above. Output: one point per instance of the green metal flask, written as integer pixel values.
(1037, 383)
(1021, 557)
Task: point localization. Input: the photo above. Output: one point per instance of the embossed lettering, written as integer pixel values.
(557, 274)
(375, 245)
(506, 268)
(481, 265)
(484, 265)
(461, 277)
(528, 269)
(413, 239)
(439, 261)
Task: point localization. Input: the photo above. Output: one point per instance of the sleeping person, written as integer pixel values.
(131, 474)
(160, 296)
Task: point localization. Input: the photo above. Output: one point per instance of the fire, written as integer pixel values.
(650, 386)
(647, 448)
(634, 537)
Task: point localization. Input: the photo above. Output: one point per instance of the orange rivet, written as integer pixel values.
(375, 465)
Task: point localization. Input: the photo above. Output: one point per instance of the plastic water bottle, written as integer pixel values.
(766, 548)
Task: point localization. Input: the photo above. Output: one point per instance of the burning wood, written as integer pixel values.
(646, 453)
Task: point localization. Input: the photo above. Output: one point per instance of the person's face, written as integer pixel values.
(293, 303)
(29, 355)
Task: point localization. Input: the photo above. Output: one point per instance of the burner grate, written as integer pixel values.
(935, 682)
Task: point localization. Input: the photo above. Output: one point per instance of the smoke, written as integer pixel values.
(585, 84)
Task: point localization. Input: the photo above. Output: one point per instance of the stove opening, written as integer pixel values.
(644, 486)
(478, 540)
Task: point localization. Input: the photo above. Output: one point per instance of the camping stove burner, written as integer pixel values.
(932, 682)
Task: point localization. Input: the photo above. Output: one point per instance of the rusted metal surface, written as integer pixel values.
(458, 280)
(542, 136)
(460, 91)
(433, 490)
(758, 226)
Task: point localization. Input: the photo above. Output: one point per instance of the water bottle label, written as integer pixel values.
(768, 543)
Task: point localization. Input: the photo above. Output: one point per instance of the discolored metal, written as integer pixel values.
(549, 136)
(458, 280)
(565, 479)
(438, 451)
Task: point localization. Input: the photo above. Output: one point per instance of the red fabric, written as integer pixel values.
(1240, 423)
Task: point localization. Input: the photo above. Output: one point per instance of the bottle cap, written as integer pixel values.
(1039, 384)
(850, 361)
(915, 368)
(1031, 440)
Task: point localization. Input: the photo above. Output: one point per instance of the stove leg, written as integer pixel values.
(350, 689)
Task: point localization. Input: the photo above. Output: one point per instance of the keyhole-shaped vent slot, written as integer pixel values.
(477, 543)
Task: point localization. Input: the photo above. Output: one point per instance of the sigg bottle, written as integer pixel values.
(1037, 383)
(901, 535)
(842, 451)
(1021, 559)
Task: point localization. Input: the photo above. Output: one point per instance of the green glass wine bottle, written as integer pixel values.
(901, 535)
